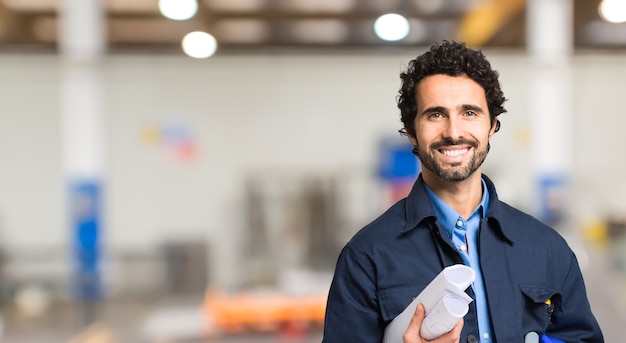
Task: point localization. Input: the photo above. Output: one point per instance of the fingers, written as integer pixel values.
(456, 330)
(412, 333)
(454, 335)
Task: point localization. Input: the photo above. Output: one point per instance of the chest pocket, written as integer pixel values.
(393, 301)
(538, 304)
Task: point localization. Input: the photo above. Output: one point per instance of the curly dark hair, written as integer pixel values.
(449, 58)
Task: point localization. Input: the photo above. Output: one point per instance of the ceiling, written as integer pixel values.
(250, 25)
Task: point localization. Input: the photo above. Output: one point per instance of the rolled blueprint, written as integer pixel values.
(531, 337)
(444, 300)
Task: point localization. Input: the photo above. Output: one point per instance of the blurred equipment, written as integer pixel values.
(262, 312)
(398, 168)
(186, 268)
(174, 324)
(95, 333)
(293, 222)
(32, 301)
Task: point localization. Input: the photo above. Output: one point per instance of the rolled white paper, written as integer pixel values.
(444, 300)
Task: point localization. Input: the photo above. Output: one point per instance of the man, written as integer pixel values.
(528, 282)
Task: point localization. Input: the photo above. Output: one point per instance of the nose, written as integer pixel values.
(454, 129)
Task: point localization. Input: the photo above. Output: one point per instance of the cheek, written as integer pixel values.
(426, 138)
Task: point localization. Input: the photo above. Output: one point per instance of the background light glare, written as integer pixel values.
(613, 11)
(391, 27)
(178, 9)
(199, 44)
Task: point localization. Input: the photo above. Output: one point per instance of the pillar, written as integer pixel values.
(550, 45)
(82, 45)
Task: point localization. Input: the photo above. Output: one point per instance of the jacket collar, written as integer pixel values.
(419, 208)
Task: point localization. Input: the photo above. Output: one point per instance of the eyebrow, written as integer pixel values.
(465, 107)
(433, 109)
(474, 108)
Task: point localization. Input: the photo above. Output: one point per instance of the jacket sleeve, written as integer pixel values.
(572, 319)
(352, 308)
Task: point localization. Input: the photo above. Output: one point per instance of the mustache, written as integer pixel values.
(448, 142)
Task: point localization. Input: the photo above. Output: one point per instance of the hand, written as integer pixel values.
(412, 333)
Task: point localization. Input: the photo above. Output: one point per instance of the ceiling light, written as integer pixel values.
(199, 44)
(613, 11)
(391, 27)
(178, 9)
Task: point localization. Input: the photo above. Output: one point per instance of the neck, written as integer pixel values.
(463, 196)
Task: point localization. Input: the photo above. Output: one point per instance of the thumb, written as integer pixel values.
(412, 333)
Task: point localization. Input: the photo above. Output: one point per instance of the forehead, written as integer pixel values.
(449, 91)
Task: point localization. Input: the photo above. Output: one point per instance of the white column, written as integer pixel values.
(82, 44)
(550, 45)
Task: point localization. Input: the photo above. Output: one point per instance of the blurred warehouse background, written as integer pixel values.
(186, 171)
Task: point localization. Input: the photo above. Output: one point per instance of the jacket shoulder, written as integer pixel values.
(528, 227)
(385, 227)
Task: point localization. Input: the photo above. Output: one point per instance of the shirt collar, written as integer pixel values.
(418, 207)
(447, 216)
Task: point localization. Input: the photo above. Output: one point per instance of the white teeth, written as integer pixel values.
(454, 152)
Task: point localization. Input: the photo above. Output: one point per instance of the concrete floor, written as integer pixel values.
(606, 290)
(178, 320)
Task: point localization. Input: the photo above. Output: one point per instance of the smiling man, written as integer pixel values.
(528, 283)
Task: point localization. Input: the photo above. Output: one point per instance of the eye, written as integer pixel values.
(435, 115)
(471, 114)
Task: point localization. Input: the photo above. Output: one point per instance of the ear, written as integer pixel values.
(495, 127)
(412, 140)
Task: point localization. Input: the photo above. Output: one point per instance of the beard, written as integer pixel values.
(456, 172)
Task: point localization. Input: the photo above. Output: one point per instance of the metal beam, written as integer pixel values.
(483, 21)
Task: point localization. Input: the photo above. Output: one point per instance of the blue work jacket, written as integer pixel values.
(524, 264)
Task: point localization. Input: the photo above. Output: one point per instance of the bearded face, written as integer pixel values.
(454, 171)
(452, 127)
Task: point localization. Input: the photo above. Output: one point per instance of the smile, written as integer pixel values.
(455, 152)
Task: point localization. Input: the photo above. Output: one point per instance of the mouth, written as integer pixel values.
(454, 153)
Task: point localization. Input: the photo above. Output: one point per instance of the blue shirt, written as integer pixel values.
(463, 233)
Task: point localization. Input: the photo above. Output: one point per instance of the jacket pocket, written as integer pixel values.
(393, 301)
(538, 305)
